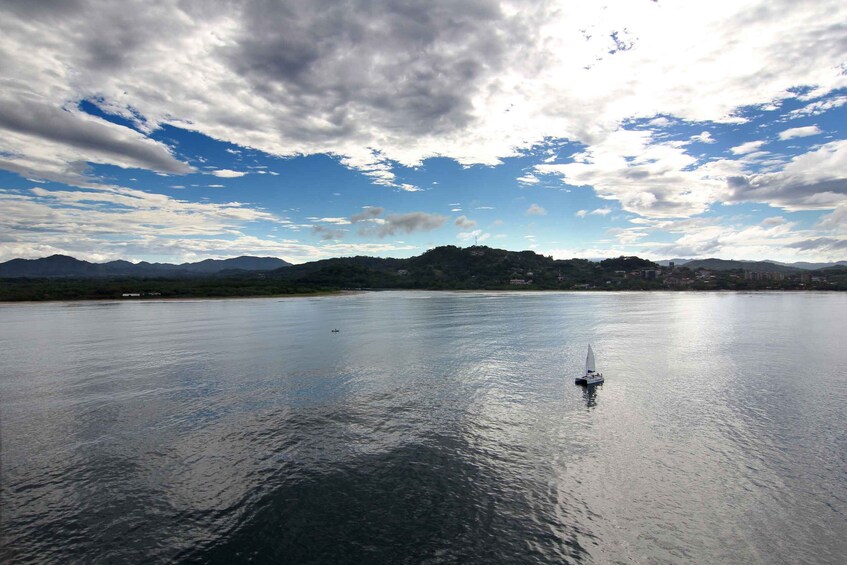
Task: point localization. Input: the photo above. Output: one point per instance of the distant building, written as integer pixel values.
(131, 295)
(764, 276)
(477, 252)
(620, 274)
(649, 274)
(670, 265)
(402, 272)
(519, 282)
(677, 281)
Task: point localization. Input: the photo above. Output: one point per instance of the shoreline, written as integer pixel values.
(349, 292)
(184, 298)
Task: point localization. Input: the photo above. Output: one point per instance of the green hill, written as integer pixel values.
(451, 267)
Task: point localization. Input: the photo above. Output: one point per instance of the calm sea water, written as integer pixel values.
(434, 427)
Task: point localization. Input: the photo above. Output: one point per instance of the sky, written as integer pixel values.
(185, 130)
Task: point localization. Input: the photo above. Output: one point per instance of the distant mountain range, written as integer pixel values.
(481, 263)
(755, 266)
(724, 264)
(812, 266)
(441, 268)
(64, 266)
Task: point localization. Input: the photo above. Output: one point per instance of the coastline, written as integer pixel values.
(353, 292)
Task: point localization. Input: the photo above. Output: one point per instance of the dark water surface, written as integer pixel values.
(434, 427)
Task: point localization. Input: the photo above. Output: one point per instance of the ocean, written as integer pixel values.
(433, 427)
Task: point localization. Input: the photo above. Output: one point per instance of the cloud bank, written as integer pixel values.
(383, 85)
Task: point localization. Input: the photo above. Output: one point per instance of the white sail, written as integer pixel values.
(589, 361)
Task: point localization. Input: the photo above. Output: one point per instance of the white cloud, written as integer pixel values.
(595, 212)
(704, 137)
(463, 222)
(228, 174)
(66, 219)
(835, 220)
(799, 132)
(528, 178)
(660, 122)
(336, 221)
(816, 180)
(818, 107)
(647, 177)
(535, 210)
(748, 147)
(84, 224)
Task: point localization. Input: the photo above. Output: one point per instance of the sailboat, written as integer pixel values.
(591, 377)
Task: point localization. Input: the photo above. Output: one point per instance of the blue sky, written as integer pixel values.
(177, 131)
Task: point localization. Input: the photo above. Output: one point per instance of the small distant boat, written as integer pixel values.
(335, 331)
(591, 377)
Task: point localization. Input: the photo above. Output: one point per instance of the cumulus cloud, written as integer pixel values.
(648, 177)
(385, 82)
(746, 148)
(410, 223)
(528, 178)
(799, 132)
(463, 222)
(535, 210)
(835, 220)
(813, 180)
(704, 137)
(55, 143)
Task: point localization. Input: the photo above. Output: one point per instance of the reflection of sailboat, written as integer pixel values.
(591, 377)
(589, 395)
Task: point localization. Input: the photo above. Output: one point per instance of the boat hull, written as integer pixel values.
(588, 381)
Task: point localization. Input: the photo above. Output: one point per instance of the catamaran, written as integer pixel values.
(591, 377)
